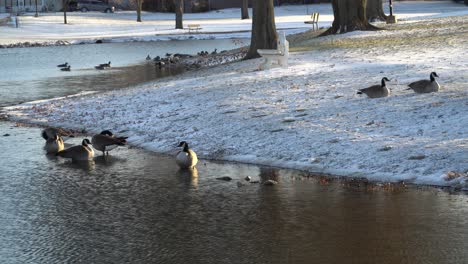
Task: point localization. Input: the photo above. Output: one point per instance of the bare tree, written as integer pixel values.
(245, 9)
(179, 11)
(139, 6)
(374, 10)
(264, 34)
(65, 9)
(349, 15)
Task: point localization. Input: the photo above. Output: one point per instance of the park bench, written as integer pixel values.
(314, 18)
(193, 27)
(279, 55)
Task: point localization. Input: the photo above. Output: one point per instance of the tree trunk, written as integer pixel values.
(349, 15)
(65, 9)
(139, 6)
(179, 10)
(264, 34)
(245, 9)
(374, 10)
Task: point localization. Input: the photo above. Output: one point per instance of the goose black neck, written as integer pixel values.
(432, 77)
(383, 82)
(186, 148)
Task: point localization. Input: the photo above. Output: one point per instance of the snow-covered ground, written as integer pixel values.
(307, 116)
(122, 26)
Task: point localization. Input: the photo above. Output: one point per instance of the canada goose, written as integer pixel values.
(54, 144)
(80, 152)
(99, 67)
(376, 91)
(187, 158)
(51, 132)
(215, 52)
(63, 65)
(106, 141)
(157, 58)
(425, 86)
(65, 68)
(148, 57)
(105, 65)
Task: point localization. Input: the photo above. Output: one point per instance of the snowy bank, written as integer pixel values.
(307, 116)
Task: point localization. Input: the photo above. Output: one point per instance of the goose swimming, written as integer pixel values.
(54, 144)
(80, 152)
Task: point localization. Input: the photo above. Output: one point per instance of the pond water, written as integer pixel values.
(135, 206)
(28, 74)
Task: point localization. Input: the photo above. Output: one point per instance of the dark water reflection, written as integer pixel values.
(138, 207)
(110, 79)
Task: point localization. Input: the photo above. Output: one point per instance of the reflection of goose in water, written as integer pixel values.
(68, 68)
(189, 176)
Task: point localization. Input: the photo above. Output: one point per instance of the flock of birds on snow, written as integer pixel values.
(104, 142)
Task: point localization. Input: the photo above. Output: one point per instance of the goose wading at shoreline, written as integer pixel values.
(78, 153)
(54, 144)
(50, 132)
(186, 158)
(425, 86)
(376, 91)
(106, 141)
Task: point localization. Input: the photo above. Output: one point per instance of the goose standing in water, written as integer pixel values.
(51, 132)
(63, 65)
(77, 153)
(376, 91)
(106, 141)
(54, 144)
(425, 86)
(186, 158)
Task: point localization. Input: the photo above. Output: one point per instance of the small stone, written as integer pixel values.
(6, 135)
(225, 178)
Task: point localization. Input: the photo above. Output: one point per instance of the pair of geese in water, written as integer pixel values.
(66, 67)
(421, 86)
(105, 142)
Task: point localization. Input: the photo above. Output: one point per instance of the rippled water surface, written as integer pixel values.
(138, 207)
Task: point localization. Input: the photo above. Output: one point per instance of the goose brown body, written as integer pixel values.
(426, 86)
(106, 141)
(376, 91)
(54, 145)
(80, 152)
